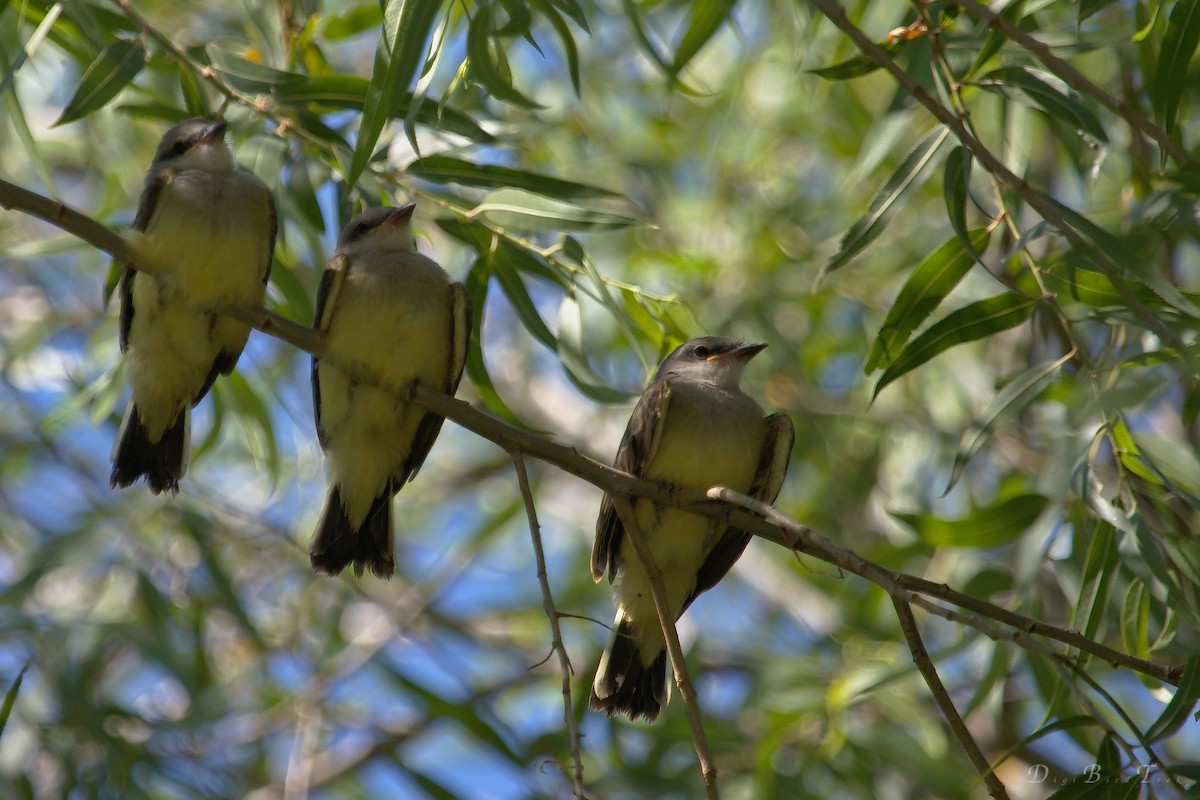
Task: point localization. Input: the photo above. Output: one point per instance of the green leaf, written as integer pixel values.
(407, 25)
(477, 288)
(514, 289)
(574, 360)
(488, 63)
(921, 293)
(249, 76)
(573, 10)
(956, 185)
(1135, 620)
(1171, 70)
(570, 51)
(448, 169)
(1048, 92)
(10, 698)
(884, 204)
(976, 321)
(1013, 12)
(353, 21)
(984, 528)
(111, 71)
(705, 18)
(522, 210)
(856, 66)
(1008, 402)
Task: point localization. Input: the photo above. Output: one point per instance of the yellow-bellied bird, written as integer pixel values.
(207, 231)
(393, 316)
(693, 427)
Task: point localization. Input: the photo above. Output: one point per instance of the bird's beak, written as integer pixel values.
(743, 353)
(401, 215)
(215, 132)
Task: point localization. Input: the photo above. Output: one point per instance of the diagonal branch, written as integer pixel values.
(666, 619)
(912, 635)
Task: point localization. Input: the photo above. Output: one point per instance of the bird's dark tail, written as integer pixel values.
(337, 544)
(623, 683)
(162, 462)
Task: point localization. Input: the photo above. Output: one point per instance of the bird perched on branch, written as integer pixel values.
(205, 237)
(693, 427)
(391, 317)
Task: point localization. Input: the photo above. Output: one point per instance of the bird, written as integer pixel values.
(693, 427)
(389, 316)
(205, 235)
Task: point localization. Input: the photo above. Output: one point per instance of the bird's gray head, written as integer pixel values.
(711, 359)
(194, 144)
(384, 229)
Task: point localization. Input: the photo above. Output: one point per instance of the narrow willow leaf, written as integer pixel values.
(448, 169)
(486, 63)
(194, 99)
(255, 417)
(1048, 92)
(1008, 402)
(1135, 620)
(249, 76)
(1089, 7)
(565, 38)
(574, 359)
(10, 697)
(1014, 13)
(976, 321)
(111, 71)
(956, 186)
(518, 296)
(983, 528)
(356, 20)
(522, 210)
(1179, 710)
(705, 18)
(407, 25)
(884, 204)
(1171, 70)
(856, 66)
(1099, 571)
(477, 288)
(1175, 464)
(922, 292)
(573, 10)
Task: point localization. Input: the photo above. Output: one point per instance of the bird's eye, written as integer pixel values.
(179, 148)
(361, 228)
(702, 351)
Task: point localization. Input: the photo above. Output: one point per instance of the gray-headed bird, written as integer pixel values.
(205, 231)
(392, 316)
(693, 427)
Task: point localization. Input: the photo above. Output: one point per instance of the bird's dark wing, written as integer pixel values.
(768, 480)
(147, 204)
(273, 217)
(460, 339)
(637, 448)
(330, 279)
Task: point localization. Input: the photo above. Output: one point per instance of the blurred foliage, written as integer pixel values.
(983, 396)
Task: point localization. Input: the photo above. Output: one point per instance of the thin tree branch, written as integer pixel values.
(564, 661)
(1076, 80)
(908, 624)
(666, 619)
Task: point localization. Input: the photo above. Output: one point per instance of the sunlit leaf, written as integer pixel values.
(1049, 93)
(488, 64)
(521, 210)
(246, 75)
(705, 18)
(574, 358)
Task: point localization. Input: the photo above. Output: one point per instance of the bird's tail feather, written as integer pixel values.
(162, 463)
(624, 684)
(338, 544)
